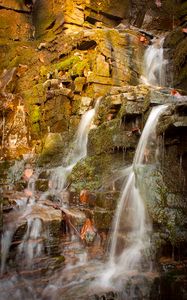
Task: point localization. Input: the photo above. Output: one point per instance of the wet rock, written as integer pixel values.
(169, 220)
(15, 5)
(102, 66)
(12, 20)
(42, 185)
(173, 280)
(102, 219)
(79, 83)
(106, 200)
(53, 144)
(98, 172)
(108, 136)
(74, 13)
(6, 78)
(175, 44)
(51, 83)
(47, 18)
(77, 216)
(160, 96)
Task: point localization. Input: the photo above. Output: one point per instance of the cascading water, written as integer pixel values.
(32, 243)
(131, 226)
(155, 63)
(22, 210)
(78, 151)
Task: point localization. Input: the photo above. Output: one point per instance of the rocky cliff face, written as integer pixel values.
(56, 58)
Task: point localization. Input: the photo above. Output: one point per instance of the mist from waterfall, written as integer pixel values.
(131, 225)
(155, 64)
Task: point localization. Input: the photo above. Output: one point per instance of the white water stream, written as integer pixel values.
(131, 225)
(32, 243)
(22, 210)
(155, 64)
(78, 151)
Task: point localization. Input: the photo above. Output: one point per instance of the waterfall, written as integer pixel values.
(155, 64)
(32, 242)
(78, 151)
(131, 226)
(6, 240)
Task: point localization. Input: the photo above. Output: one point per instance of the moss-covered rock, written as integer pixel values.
(106, 200)
(169, 221)
(14, 25)
(176, 42)
(108, 136)
(67, 63)
(53, 147)
(102, 219)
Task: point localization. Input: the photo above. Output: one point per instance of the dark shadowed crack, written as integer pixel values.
(22, 11)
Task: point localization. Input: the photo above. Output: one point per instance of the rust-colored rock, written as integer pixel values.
(84, 196)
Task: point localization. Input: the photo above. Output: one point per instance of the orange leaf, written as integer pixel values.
(175, 93)
(184, 30)
(142, 39)
(84, 196)
(87, 226)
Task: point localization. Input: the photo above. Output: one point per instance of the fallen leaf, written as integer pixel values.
(175, 93)
(143, 39)
(184, 30)
(87, 228)
(84, 196)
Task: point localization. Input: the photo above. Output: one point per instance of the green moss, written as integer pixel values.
(183, 9)
(84, 176)
(103, 219)
(43, 71)
(53, 148)
(41, 185)
(108, 136)
(173, 38)
(181, 53)
(22, 2)
(35, 130)
(169, 217)
(96, 171)
(182, 76)
(35, 114)
(79, 67)
(34, 95)
(4, 166)
(107, 200)
(23, 57)
(60, 259)
(66, 64)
